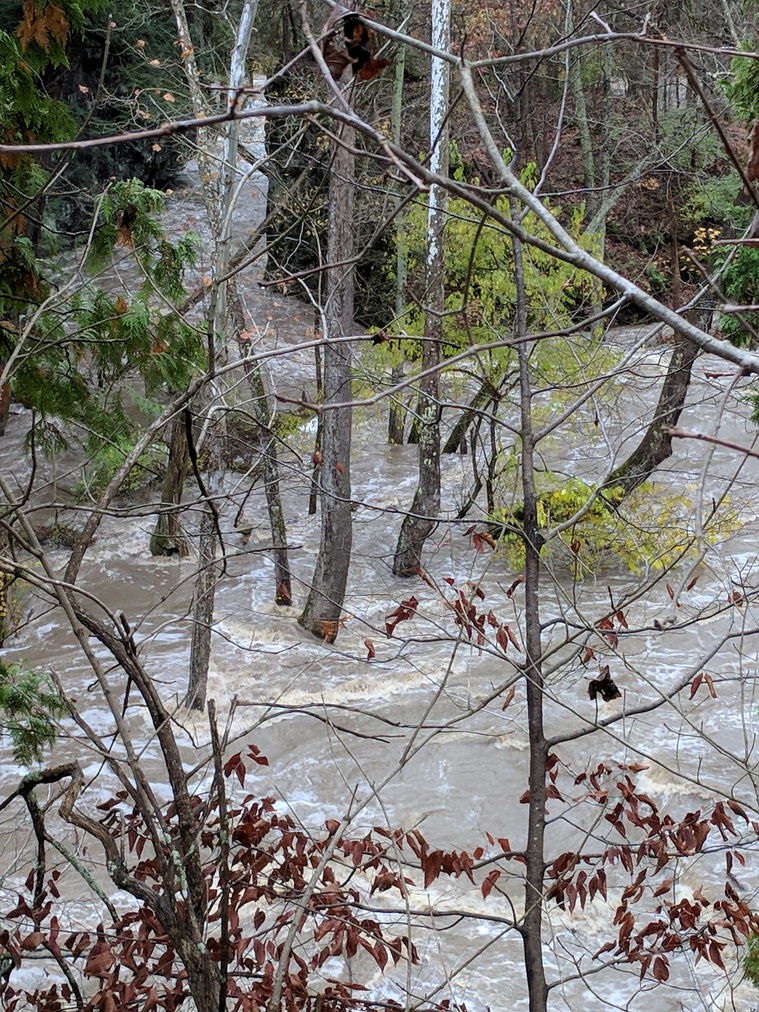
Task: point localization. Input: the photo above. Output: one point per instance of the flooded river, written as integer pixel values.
(406, 732)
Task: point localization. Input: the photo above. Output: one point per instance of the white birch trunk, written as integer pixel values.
(425, 508)
(226, 316)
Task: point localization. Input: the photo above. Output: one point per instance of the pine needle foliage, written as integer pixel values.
(77, 361)
(29, 708)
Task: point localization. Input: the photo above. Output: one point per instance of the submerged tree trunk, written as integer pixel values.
(269, 459)
(478, 405)
(313, 495)
(208, 571)
(656, 445)
(282, 580)
(419, 522)
(396, 419)
(227, 308)
(321, 614)
(168, 538)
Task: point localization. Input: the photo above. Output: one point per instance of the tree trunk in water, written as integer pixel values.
(219, 207)
(324, 606)
(269, 456)
(656, 446)
(419, 522)
(270, 461)
(425, 508)
(205, 583)
(313, 495)
(168, 537)
(396, 421)
(476, 408)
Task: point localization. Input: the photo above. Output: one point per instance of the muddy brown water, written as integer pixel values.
(470, 763)
(466, 779)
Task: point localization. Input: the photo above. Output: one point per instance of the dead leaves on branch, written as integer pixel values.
(472, 621)
(274, 860)
(650, 921)
(236, 764)
(359, 43)
(124, 222)
(405, 611)
(703, 677)
(42, 25)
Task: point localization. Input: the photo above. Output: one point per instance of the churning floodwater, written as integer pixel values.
(407, 732)
(335, 725)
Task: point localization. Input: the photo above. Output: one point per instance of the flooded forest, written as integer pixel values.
(379, 575)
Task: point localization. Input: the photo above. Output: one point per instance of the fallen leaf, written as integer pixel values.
(509, 697)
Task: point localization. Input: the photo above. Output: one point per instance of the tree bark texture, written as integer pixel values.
(532, 922)
(420, 521)
(476, 408)
(582, 122)
(270, 461)
(321, 614)
(656, 445)
(205, 582)
(269, 457)
(168, 537)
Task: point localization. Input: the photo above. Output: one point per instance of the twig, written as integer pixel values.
(702, 436)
